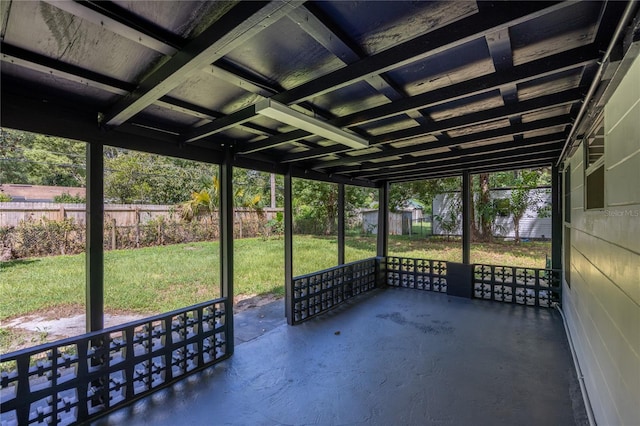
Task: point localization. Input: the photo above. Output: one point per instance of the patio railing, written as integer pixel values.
(320, 291)
(76, 379)
(510, 284)
(419, 274)
(79, 378)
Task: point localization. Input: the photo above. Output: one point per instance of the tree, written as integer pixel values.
(137, 177)
(482, 211)
(32, 159)
(449, 220)
(269, 186)
(423, 191)
(127, 176)
(207, 200)
(317, 202)
(522, 196)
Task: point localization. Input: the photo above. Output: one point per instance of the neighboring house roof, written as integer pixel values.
(41, 193)
(413, 205)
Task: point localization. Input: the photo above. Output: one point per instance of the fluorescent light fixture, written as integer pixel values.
(284, 114)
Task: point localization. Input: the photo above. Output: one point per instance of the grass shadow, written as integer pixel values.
(18, 262)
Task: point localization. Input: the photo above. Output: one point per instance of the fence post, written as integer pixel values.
(137, 227)
(63, 247)
(113, 234)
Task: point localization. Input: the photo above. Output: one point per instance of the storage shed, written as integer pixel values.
(399, 222)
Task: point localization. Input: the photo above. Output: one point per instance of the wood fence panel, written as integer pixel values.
(12, 213)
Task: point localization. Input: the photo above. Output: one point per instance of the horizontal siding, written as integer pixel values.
(625, 177)
(602, 302)
(625, 129)
(530, 227)
(582, 329)
(613, 367)
(621, 266)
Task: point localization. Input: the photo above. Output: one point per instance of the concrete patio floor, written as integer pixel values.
(392, 357)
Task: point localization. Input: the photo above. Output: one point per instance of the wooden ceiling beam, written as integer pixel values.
(492, 17)
(242, 22)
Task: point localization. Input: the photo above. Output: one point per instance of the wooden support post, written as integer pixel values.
(383, 221)
(556, 218)
(95, 228)
(288, 247)
(341, 223)
(226, 242)
(466, 217)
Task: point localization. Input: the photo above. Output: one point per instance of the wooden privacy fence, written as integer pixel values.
(40, 229)
(12, 213)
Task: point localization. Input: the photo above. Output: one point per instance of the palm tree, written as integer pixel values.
(207, 201)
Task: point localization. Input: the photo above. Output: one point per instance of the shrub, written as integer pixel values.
(274, 227)
(65, 197)
(46, 237)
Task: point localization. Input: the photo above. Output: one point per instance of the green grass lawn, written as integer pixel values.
(530, 254)
(160, 279)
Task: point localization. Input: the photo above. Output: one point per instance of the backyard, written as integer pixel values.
(158, 279)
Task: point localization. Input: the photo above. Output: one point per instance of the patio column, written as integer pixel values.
(383, 221)
(226, 242)
(341, 196)
(288, 247)
(466, 217)
(556, 218)
(94, 262)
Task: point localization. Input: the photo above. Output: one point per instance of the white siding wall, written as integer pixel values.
(602, 303)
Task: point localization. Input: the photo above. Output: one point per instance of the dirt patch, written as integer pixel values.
(249, 301)
(59, 322)
(15, 339)
(55, 323)
(36, 330)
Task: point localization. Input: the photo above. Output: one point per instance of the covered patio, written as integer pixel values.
(396, 356)
(361, 93)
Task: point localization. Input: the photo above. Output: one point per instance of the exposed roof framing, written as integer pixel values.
(241, 23)
(434, 87)
(478, 157)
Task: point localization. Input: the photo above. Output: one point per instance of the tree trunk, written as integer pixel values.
(516, 228)
(273, 190)
(332, 211)
(472, 220)
(331, 219)
(485, 200)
